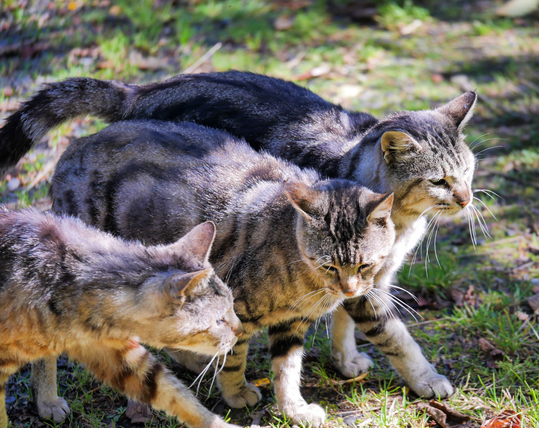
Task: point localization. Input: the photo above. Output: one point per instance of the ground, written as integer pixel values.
(477, 281)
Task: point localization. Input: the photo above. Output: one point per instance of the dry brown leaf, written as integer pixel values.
(284, 22)
(443, 414)
(508, 419)
(533, 301)
(349, 381)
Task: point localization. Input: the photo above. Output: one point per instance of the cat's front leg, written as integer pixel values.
(128, 367)
(344, 353)
(236, 391)
(286, 346)
(45, 390)
(377, 320)
(3, 383)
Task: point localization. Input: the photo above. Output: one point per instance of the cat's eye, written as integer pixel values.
(441, 182)
(330, 269)
(363, 267)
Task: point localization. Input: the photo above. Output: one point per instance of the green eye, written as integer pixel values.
(441, 182)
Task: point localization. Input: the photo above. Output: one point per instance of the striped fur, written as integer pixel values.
(65, 287)
(405, 153)
(290, 245)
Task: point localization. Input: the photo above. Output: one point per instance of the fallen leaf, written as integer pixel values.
(508, 419)
(533, 301)
(349, 381)
(443, 414)
(284, 22)
(522, 316)
(486, 346)
(261, 383)
(73, 5)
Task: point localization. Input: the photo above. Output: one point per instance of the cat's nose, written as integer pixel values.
(238, 330)
(462, 198)
(349, 286)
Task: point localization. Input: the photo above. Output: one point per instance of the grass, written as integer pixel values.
(407, 55)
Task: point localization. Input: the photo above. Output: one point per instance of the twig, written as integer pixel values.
(203, 59)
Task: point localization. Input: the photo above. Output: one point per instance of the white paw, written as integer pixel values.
(434, 386)
(248, 396)
(306, 415)
(351, 364)
(57, 410)
(217, 422)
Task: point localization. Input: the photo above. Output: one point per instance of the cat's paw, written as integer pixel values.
(248, 396)
(351, 364)
(306, 415)
(434, 386)
(217, 422)
(57, 409)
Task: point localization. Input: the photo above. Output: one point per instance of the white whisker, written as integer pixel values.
(490, 193)
(488, 209)
(487, 149)
(203, 373)
(406, 291)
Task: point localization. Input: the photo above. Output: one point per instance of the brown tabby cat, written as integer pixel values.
(291, 245)
(65, 287)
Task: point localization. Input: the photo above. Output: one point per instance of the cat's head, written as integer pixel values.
(344, 233)
(192, 308)
(427, 162)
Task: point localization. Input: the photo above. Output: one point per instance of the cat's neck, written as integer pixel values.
(365, 164)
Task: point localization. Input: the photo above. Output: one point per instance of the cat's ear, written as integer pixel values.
(460, 110)
(197, 242)
(382, 210)
(301, 196)
(396, 145)
(177, 286)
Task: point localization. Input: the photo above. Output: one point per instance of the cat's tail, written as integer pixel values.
(55, 104)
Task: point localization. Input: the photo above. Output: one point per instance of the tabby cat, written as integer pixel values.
(421, 156)
(291, 246)
(66, 287)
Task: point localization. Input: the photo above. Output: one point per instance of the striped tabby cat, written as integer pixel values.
(291, 246)
(420, 156)
(66, 287)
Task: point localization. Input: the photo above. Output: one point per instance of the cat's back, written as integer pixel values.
(142, 175)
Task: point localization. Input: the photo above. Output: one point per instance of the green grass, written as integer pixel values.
(409, 55)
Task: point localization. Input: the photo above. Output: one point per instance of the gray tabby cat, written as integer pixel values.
(66, 287)
(291, 246)
(420, 156)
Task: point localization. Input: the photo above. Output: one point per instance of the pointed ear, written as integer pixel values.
(177, 286)
(396, 144)
(460, 110)
(382, 211)
(301, 196)
(197, 243)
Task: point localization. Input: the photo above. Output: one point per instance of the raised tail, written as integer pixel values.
(55, 104)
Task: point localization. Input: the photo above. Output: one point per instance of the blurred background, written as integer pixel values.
(477, 282)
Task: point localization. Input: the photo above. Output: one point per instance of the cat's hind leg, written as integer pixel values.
(45, 390)
(344, 353)
(128, 367)
(236, 391)
(286, 347)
